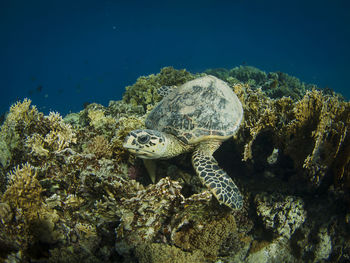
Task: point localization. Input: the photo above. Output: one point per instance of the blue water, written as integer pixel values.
(63, 54)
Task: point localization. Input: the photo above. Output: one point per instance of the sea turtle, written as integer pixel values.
(195, 117)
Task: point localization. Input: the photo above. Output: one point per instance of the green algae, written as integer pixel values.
(274, 84)
(144, 91)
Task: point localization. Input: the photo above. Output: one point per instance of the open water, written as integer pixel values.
(62, 54)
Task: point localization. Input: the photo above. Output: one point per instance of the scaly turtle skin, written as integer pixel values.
(196, 117)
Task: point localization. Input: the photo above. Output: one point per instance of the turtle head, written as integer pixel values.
(146, 144)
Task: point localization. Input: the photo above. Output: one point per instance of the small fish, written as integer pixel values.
(39, 88)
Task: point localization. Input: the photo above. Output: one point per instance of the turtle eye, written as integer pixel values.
(143, 139)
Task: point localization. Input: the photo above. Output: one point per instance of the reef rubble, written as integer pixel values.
(70, 192)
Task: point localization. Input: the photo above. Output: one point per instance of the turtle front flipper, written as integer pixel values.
(216, 180)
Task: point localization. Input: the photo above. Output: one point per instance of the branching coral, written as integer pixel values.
(24, 191)
(260, 114)
(19, 123)
(22, 113)
(59, 136)
(100, 147)
(325, 120)
(27, 132)
(100, 121)
(312, 131)
(33, 220)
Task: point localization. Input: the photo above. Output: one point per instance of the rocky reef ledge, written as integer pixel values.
(69, 192)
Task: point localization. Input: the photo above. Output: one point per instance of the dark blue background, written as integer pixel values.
(88, 51)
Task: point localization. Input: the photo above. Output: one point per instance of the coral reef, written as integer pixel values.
(311, 131)
(70, 192)
(274, 84)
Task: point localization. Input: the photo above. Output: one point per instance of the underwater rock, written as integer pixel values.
(324, 246)
(281, 214)
(276, 251)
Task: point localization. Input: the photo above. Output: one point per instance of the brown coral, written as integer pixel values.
(100, 147)
(24, 191)
(206, 235)
(325, 121)
(33, 221)
(19, 123)
(312, 131)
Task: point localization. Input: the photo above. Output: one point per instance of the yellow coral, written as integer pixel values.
(55, 119)
(99, 121)
(59, 137)
(35, 221)
(259, 114)
(267, 120)
(24, 190)
(73, 201)
(61, 134)
(22, 111)
(85, 230)
(322, 120)
(36, 145)
(22, 118)
(312, 131)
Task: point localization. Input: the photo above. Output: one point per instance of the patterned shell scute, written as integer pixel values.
(200, 109)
